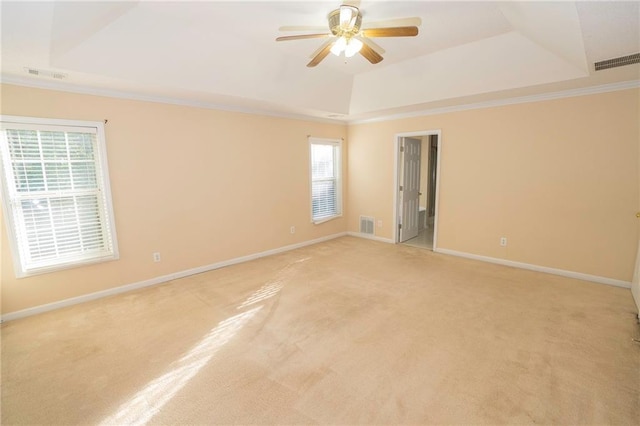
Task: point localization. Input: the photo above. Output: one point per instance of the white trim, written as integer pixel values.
(437, 198)
(102, 177)
(635, 281)
(396, 190)
(593, 90)
(326, 219)
(337, 147)
(159, 280)
(371, 237)
(85, 90)
(537, 268)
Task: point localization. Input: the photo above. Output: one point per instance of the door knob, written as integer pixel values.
(638, 214)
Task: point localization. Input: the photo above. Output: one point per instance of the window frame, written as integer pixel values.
(107, 220)
(337, 167)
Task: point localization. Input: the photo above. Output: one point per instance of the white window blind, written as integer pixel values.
(55, 192)
(326, 185)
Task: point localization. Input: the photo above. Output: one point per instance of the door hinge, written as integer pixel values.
(402, 149)
(399, 226)
(400, 187)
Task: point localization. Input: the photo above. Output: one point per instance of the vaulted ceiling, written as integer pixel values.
(224, 53)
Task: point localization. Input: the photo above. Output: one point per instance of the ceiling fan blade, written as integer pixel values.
(304, 28)
(321, 55)
(302, 36)
(401, 22)
(370, 54)
(375, 46)
(322, 46)
(391, 32)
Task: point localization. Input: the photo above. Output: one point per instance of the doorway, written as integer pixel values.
(416, 190)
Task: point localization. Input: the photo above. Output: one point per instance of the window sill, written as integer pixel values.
(325, 219)
(39, 270)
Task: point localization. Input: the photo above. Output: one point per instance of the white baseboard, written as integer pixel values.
(561, 272)
(181, 274)
(159, 280)
(370, 237)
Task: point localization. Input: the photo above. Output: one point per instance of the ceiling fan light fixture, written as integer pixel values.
(346, 35)
(339, 46)
(349, 46)
(353, 46)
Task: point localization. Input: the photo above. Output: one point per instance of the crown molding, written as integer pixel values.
(86, 90)
(613, 87)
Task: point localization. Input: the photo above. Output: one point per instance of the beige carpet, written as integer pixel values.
(345, 332)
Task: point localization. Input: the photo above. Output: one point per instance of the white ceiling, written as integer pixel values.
(224, 52)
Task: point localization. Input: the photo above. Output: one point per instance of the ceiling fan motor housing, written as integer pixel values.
(337, 29)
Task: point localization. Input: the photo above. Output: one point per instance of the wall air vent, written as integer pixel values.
(618, 62)
(45, 73)
(366, 225)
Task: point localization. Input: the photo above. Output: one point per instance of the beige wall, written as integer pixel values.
(199, 186)
(558, 178)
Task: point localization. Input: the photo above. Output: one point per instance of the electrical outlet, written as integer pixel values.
(293, 230)
(503, 241)
(156, 257)
(379, 223)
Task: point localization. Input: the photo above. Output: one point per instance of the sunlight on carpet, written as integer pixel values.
(148, 402)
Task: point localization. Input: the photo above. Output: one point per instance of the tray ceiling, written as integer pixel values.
(224, 53)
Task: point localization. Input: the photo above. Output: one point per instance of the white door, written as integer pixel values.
(410, 191)
(635, 283)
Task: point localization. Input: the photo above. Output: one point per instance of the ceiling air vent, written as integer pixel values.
(44, 73)
(618, 62)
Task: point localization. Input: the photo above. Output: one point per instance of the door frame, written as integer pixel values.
(396, 180)
(635, 281)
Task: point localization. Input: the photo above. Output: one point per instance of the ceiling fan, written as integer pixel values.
(349, 37)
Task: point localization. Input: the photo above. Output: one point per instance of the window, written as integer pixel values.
(326, 183)
(55, 193)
